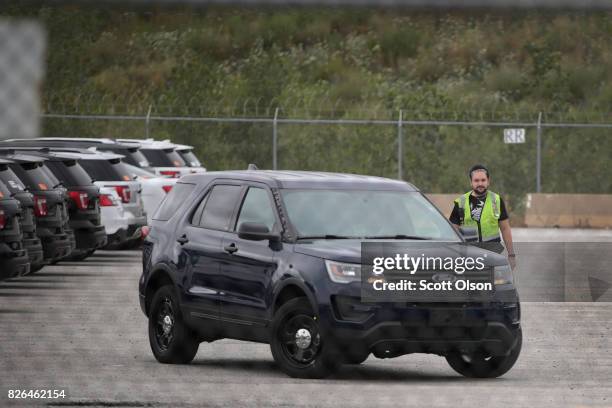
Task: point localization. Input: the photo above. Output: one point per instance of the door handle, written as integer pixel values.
(182, 239)
(231, 248)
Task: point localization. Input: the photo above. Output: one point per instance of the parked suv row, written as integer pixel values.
(14, 259)
(79, 195)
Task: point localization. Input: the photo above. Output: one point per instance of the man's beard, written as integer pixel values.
(480, 191)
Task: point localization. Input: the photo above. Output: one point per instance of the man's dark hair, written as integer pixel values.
(477, 167)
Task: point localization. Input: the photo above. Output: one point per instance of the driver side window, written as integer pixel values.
(257, 208)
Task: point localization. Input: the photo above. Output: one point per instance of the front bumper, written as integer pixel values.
(393, 329)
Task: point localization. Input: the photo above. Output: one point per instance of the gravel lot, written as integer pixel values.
(78, 327)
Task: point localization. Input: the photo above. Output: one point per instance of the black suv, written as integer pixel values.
(276, 257)
(18, 191)
(13, 257)
(50, 204)
(83, 205)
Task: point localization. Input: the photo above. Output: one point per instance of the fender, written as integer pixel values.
(159, 269)
(293, 281)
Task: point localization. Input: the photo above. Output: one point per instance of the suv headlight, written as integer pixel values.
(503, 275)
(343, 272)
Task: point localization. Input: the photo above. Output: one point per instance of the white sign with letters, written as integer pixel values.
(514, 135)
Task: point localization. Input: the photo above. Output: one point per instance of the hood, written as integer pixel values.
(349, 250)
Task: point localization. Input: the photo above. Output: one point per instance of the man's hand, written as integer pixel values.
(512, 261)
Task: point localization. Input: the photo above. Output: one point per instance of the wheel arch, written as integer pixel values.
(291, 289)
(161, 275)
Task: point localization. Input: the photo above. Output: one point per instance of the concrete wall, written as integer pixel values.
(444, 202)
(551, 210)
(569, 210)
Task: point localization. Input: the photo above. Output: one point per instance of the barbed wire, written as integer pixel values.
(310, 108)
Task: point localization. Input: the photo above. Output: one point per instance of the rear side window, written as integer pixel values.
(257, 208)
(70, 173)
(179, 193)
(163, 157)
(220, 206)
(190, 158)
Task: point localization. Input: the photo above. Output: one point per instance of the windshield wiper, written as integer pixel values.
(398, 236)
(327, 236)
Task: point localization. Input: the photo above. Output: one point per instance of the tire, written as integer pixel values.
(313, 355)
(172, 342)
(479, 365)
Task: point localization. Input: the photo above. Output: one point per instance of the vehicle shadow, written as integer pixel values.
(257, 366)
(363, 372)
(15, 311)
(50, 274)
(32, 287)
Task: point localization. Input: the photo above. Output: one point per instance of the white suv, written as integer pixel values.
(164, 159)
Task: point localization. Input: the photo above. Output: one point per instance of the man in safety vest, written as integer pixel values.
(484, 210)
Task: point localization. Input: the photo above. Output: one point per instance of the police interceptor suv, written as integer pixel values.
(275, 257)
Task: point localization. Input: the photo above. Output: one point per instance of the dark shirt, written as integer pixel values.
(476, 206)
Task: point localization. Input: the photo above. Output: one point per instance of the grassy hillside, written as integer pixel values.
(345, 63)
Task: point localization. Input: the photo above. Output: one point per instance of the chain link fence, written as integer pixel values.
(432, 154)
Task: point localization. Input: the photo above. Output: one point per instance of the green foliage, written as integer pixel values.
(343, 63)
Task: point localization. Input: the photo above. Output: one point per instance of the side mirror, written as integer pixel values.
(256, 232)
(470, 234)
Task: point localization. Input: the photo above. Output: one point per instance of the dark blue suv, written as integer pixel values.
(275, 257)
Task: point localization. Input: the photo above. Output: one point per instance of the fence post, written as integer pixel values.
(539, 155)
(400, 148)
(147, 121)
(274, 140)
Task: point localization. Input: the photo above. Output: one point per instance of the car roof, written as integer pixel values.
(150, 144)
(63, 153)
(105, 143)
(303, 179)
(165, 143)
(5, 161)
(19, 157)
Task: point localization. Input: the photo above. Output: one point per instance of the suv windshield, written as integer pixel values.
(4, 192)
(10, 179)
(69, 172)
(35, 176)
(106, 170)
(365, 214)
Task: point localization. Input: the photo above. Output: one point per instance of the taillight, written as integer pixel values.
(40, 206)
(106, 201)
(170, 173)
(80, 198)
(167, 189)
(2, 220)
(125, 193)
